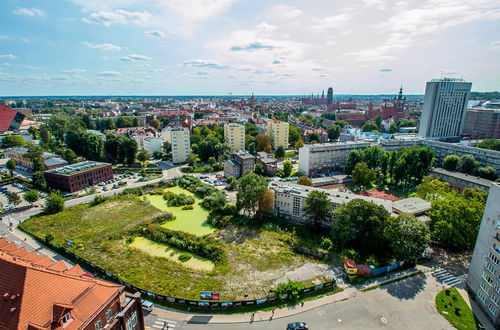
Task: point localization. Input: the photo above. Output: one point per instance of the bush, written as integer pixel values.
(326, 243)
(163, 218)
(188, 207)
(183, 257)
(214, 201)
(54, 204)
(291, 288)
(99, 199)
(48, 238)
(177, 200)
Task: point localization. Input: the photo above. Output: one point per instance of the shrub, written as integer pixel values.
(129, 240)
(99, 199)
(54, 204)
(48, 238)
(183, 257)
(326, 243)
(214, 201)
(163, 218)
(188, 207)
(177, 200)
(291, 288)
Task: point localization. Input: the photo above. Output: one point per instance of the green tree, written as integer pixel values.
(123, 122)
(38, 179)
(318, 207)
(11, 141)
(487, 172)
(362, 175)
(54, 204)
(263, 143)
(333, 132)
(143, 156)
(393, 128)
(155, 123)
(13, 198)
(293, 134)
(167, 147)
(431, 188)
(265, 203)
(31, 196)
(69, 155)
(360, 224)
(468, 164)
(491, 144)
(455, 221)
(280, 152)
(313, 137)
(11, 166)
(369, 127)
(407, 236)
(135, 122)
(299, 144)
(341, 123)
(305, 181)
(287, 168)
(378, 123)
(353, 158)
(259, 169)
(450, 162)
(251, 148)
(289, 290)
(250, 188)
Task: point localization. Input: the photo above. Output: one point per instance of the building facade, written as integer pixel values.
(482, 123)
(459, 180)
(149, 143)
(78, 176)
(180, 141)
(326, 157)
(443, 114)
(20, 156)
(39, 293)
(268, 161)
(234, 136)
(239, 164)
(278, 132)
(484, 272)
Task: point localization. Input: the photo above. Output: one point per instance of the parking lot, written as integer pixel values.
(17, 188)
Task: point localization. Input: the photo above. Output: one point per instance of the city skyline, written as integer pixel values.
(198, 47)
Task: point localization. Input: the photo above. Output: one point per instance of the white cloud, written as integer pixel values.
(155, 33)
(119, 16)
(105, 46)
(73, 71)
(340, 21)
(199, 10)
(8, 57)
(4, 38)
(283, 11)
(266, 27)
(108, 73)
(495, 44)
(379, 4)
(25, 40)
(209, 64)
(135, 57)
(30, 12)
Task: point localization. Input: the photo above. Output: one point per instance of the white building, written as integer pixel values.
(180, 141)
(444, 109)
(325, 157)
(149, 143)
(484, 272)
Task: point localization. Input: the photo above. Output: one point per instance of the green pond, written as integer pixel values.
(162, 250)
(190, 221)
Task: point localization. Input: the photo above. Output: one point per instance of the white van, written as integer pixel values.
(147, 306)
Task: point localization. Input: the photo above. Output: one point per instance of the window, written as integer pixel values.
(109, 314)
(66, 317)
(98, 325)
(480, 296)
(495, 300)
(492, 309)
(490, 267)
(132, 321)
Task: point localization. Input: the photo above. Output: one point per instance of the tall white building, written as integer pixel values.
(444, 109)
(180, 141)
(484, 272)
(234, 136)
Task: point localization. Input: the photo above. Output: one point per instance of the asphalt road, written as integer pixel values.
(408, 304)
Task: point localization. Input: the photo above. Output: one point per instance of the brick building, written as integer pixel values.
(41, 294)
(77, 176)
(20, 156)
(239, 164)
(270, 163)
(482, 123)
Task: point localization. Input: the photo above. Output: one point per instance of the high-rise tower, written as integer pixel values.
(329, 96)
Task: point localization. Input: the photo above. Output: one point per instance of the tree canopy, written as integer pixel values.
(250, 188)
(318, 207)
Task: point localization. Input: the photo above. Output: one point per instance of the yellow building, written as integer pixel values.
(278, 132)
(234, 135)
(180, 141)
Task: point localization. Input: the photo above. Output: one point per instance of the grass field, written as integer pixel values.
(191, 221)
(256, 258)
(446, 304)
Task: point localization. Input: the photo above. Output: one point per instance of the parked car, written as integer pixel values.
(147, 306)
(297, 326)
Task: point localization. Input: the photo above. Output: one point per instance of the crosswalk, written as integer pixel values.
(164, 324)
(444, 276)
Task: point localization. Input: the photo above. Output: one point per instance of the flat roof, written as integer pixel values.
(78, 167)
(462, 176)
(412, 205)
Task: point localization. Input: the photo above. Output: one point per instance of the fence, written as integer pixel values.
(196, 303)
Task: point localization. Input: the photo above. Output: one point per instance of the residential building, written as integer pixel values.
(460, 180)
(77, 176)
(148, 142)
(39, 293)
(10, 120)
(278, 132)
(326, 157)
(482, 123)
(180, 141)
(239, 164)
(270, 163)
(20, 156)
(322, 134)
(443, 114)
(234, 136)
(484, 271)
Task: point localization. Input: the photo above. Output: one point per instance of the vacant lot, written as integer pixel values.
(255, 258)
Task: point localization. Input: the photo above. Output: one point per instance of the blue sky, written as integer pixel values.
(185, 47)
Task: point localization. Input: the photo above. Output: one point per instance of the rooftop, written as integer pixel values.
(78, 167)
(462, 176)
(412, 205)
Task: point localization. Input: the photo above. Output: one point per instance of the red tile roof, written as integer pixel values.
(36, 296)
(6, 117)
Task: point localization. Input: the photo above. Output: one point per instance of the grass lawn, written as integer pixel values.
(191, 221)
(446, 305)
(162, 250)
(256, 258)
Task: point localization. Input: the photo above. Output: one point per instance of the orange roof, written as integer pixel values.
(36, 294)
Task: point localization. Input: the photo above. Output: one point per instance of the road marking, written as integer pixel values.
(160, 324)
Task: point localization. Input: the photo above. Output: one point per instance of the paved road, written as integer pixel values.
(408, 304)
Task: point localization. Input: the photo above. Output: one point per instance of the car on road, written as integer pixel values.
(297, 326)
(147, 306)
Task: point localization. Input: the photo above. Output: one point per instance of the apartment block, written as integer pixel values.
(482, 123)
(239, 164)
(78, 176)
(234, 136)
(180, 141)
(326, 157)
(484, 272)
(278, 132)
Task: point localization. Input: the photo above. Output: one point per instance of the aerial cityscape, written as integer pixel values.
(229, 164)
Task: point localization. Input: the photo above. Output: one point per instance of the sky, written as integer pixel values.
(218, 47)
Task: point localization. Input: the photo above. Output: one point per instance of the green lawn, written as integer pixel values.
(191, 221)
(446, 304)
